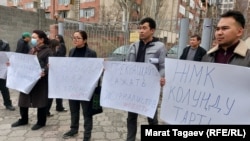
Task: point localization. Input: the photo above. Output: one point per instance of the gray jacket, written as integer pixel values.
(155, 49)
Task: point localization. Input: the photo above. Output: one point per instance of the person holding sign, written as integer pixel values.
(54, 45)
(230, 49)
(193, 52)
(4, 90)
(38, 96)
(60, 52)
(81, 49)
(142, 51)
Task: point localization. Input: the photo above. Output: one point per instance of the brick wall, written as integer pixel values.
(13, 22)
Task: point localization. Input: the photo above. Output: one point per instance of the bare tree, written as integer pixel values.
(127, 7)
(165, 14)
(151, 8)
(110, 13)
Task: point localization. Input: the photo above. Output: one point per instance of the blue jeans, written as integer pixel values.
(132, 124)
(74, 106)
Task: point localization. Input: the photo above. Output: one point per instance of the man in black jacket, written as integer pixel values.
(193, 52)
(4, 46)
(23, 43)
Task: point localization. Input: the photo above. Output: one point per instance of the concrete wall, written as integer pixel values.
(13, 22)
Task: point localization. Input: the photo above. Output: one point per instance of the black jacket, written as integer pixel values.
(198, 55)
(89, 52)
(4, 46)
(61, 51)
(22, 46)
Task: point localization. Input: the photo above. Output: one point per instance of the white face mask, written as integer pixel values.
(33, 42)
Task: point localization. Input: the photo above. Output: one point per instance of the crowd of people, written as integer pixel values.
(228, 49)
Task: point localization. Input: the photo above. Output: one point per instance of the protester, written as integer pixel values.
(62, 48)
(38, 97)
(81, 49)
(231, 48)
(60, 52)
(54, 45)
(141, 51)
(4, 46)
(23, 43)
(194, 51)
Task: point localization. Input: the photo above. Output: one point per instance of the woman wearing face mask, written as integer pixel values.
(38, 97)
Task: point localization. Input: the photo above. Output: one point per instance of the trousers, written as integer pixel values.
(132, 124)
(59, 104)
(41, 115)
(5, 93)
(74, 106)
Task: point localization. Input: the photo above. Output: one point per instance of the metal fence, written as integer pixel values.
(107, 37)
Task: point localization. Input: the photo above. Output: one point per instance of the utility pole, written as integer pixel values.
(125, 14)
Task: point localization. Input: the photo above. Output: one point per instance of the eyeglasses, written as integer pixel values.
(76, 39)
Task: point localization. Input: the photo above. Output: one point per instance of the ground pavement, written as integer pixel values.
(108, 126)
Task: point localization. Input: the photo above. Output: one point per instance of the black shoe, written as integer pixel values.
(61, 110)
(19, 123)
(49, 115)
(86, 139)
(70, 133)
(36, 127)
(10, 107)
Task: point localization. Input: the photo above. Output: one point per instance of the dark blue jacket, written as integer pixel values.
(198, 55)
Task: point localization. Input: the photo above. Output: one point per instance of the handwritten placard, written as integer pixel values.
(23, 73)
(74, 78)
(205, 93)
(131, 86)
(3, 66)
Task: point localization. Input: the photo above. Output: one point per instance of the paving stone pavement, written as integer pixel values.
(107, 126)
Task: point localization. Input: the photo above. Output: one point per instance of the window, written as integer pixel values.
(63, 14)
(45, 4)
(87, 0)
(62, 2)
(87, 13)
(29, 5)
(15, 2)
(47, 15)
(4, 3)
(230, 6)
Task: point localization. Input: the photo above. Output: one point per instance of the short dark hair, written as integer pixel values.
(198, 37)
(237, 15)
(150, 21)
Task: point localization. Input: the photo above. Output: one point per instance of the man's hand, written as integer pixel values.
(42, 73)
(162, 81)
